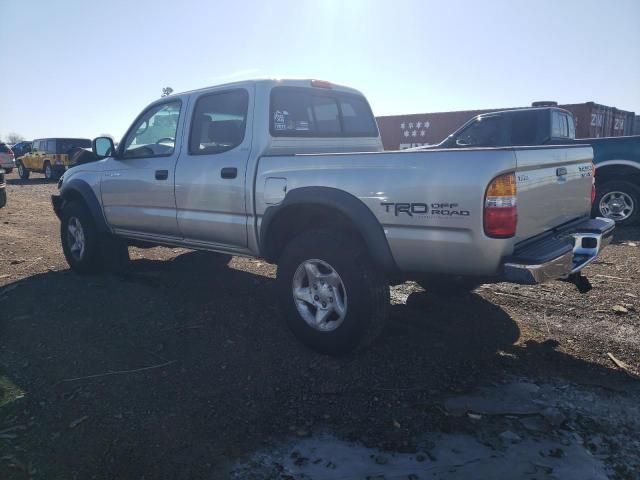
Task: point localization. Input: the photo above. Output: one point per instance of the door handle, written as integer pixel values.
(229, 172)
(162, 174)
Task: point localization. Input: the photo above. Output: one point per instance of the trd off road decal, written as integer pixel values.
(420, 209)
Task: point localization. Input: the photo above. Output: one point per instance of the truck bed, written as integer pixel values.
(445, 192)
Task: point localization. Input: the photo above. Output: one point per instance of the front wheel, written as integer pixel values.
(80, 239)
(23, 171)
(334, 298)
(618, 200)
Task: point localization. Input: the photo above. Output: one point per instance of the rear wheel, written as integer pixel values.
(22, 171)
(80, 239)
(618, 200)
(48, 171)
(333, 297)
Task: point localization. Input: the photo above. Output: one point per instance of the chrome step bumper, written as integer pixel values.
(571, 248)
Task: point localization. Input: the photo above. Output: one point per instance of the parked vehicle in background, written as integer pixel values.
(521, 127)
(243, 169)
(7, 158)
(21, 148)
(3, 189)
(617, 159)
(591, 120)
(50, 156)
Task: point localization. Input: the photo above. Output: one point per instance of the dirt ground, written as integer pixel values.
(184, 369)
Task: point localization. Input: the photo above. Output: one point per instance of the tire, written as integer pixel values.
(47, 169)
(87, 257)
(3, 197)
(448, 285)
(618, 200)
(23, 171)
(360, 291)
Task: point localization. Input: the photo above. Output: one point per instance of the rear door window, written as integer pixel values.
(219, 122)
(305, 112)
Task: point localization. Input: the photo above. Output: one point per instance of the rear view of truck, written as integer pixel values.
(553, 190)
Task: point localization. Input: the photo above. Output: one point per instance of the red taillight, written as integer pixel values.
(593, 183)
(500, 209)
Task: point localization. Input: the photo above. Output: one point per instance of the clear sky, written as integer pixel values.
(86, 67)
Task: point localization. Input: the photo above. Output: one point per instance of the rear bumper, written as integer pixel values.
(560, 253)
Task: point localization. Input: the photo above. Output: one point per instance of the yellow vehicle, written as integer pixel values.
(50, 156)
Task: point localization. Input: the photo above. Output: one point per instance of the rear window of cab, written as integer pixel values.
(306, 112)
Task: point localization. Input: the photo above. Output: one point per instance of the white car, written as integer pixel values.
(7, 158)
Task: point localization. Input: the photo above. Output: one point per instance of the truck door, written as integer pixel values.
(211, 172)
(138, 186)
(31, 160)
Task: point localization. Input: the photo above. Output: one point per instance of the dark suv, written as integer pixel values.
(22, 148)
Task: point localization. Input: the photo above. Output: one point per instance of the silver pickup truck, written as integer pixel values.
(293, 171)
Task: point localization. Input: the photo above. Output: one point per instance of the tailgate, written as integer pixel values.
(554, 187)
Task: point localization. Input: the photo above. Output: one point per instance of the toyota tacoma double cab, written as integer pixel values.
(293, 171)
(617, 159)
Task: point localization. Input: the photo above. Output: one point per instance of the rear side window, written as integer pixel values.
(559, 127)
(305, 112)
(572, 126)
(219, 122)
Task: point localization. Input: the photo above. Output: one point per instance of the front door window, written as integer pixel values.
(154, 134)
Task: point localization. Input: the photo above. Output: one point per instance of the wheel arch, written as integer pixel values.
(80, 191)
(311, 207)
(618, 170)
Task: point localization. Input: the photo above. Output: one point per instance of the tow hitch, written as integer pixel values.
(581, 282)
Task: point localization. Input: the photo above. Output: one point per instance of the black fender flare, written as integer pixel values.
(362, 218)
(79, 187)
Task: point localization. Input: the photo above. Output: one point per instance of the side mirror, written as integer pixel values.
(103, 147)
